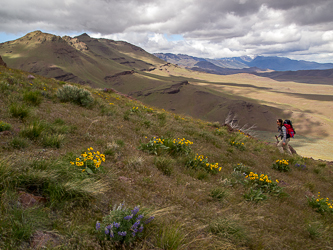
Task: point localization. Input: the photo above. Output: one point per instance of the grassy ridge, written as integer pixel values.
(194, 207)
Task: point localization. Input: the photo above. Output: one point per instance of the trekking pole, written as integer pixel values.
(277, 140)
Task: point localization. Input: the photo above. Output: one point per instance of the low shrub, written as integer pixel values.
(70, 93)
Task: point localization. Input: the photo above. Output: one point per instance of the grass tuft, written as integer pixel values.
(19, 110)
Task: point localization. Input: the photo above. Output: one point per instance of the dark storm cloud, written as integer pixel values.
(211, 27)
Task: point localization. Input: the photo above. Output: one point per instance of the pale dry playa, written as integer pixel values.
(309, 106)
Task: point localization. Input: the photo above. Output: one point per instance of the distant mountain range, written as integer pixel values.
(258, 63)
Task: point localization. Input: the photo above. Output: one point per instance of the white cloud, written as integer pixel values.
(211, 28)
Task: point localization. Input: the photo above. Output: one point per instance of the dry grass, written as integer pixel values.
(187, 216)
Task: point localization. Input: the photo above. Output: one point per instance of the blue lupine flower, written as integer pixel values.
(140, 229)
(107, 231)
(122, 233)
(149, 220)
(140, 217)
(135, 210)
(111, 234)
(98, 225)
(128, 217)
(133, 234)
(109, 226)
(136, 224)
(116, 225)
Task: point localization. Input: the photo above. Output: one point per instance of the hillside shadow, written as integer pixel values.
(324, 77)
(314, 97)
(182, 78)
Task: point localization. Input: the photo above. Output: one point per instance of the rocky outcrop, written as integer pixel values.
(75, 43)
(174, 89)
(128, 72)
(2, 63)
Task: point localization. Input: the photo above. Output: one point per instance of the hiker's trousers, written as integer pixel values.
(286, 147)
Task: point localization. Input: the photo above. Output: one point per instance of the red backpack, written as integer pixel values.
(289, 129)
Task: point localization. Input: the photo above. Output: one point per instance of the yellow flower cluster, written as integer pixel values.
(202, 158)
(158, 141)
(262, 178)
(237, 143)
(329, 204)
(182, 142)
(199, 157)
(148, 109)
(96, 158)
(286, 162)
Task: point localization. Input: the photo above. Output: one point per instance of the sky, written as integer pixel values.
(298, 29)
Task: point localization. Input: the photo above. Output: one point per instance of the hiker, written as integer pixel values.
(283, 144)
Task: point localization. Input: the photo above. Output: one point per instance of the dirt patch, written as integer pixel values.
(42, 240)
(29, 200)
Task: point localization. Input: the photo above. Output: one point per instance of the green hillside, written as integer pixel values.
(206, 187)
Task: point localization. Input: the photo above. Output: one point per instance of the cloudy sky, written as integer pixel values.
(298, 29)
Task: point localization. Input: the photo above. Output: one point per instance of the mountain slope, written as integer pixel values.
(304, 76)
(105, 63)
(82, 59)
(284, 64)
(262, 62)
(47, 200)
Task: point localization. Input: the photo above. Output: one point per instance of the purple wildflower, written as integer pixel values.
(140, 229)
(111, 234)
(140, 217)
(136, 224)
(135, 211)
(133, 234)
(116, 225)
(128, 217)
(107, 231)
(109, 226)
(122, 233)
(149, 220)
(98, 225)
